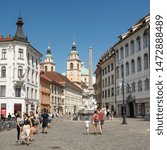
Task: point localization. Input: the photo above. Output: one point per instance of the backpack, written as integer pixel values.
(96, 118)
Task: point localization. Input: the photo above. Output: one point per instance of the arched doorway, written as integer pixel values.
(131, 109)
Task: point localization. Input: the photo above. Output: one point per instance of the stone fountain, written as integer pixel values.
(89, 104)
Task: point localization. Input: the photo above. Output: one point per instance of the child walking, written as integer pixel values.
(86, 124)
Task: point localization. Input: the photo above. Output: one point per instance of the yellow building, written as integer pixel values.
(44, 92)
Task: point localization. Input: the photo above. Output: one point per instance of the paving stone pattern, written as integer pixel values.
(69, 135)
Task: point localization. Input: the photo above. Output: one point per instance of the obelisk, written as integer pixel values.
(90, 87)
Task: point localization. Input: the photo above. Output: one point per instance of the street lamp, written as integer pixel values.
(124, 106)
(123, 97)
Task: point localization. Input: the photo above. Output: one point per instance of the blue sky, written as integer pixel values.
(95, 23)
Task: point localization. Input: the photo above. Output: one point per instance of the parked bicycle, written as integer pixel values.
(4, 125)
(7, 125)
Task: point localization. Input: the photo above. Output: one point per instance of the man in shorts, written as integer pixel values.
(44, 121)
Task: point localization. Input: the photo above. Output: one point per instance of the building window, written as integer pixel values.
(108, 92)
(112, 67)
(117, 73)
(27, 92)
(112, 91)
(28, 58)
(127, 68)
(36, 63)
(2, 90)
(55, 89)
(139, 64)
(147, 84)
(18, 91)
(105, 70)
(52, 88)
(122, 70)
(32, 61)
(105, 93)
(146, 61)
(133, 87)
(20, 72)
(121, 53)
(105, 82)
(46, 68)
(132, 47)
(126, 50)
(3, 72)
(32, 92)
(139, 86)
(71, 65)
(78, 66)
(108, 68)
(109, 81)
(117, 56)
(132, 66)
(32, 77)
(4, 54)
(138, 40)
(20, 53)
(112, 79)
(35, 94)
(36, 78)
(145, 40)
(51, 68)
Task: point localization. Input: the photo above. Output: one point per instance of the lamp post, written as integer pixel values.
(123, 97)
(122, 75)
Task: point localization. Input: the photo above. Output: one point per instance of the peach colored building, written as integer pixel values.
(45, 92)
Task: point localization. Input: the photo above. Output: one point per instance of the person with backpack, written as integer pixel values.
(95, 121)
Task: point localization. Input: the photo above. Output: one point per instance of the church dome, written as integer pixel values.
(84, 70)
(48, 56)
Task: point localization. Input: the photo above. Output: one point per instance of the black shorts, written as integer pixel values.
(44, 124)
(101, 122)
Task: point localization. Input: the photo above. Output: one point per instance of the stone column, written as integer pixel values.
(90, 68)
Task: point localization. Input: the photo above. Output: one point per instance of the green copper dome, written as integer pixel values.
(48, 56)
(84, 70)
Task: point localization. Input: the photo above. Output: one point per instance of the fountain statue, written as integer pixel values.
(89, 104)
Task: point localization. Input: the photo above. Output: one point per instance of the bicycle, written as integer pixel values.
(4, 125)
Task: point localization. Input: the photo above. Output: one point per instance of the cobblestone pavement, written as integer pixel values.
(68, 135)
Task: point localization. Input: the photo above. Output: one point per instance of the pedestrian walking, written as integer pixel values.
(101, 119)
(108, 114)
(49, 120)
(86, 124)
(19, 122)
(25, 134)
(95, 121)
(32, 125)
(44, 121)
(9, 116)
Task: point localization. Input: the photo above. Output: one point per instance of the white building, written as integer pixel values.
(127, 61)
(19, 73)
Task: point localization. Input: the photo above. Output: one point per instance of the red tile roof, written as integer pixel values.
(6, 39)
(60, 79)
